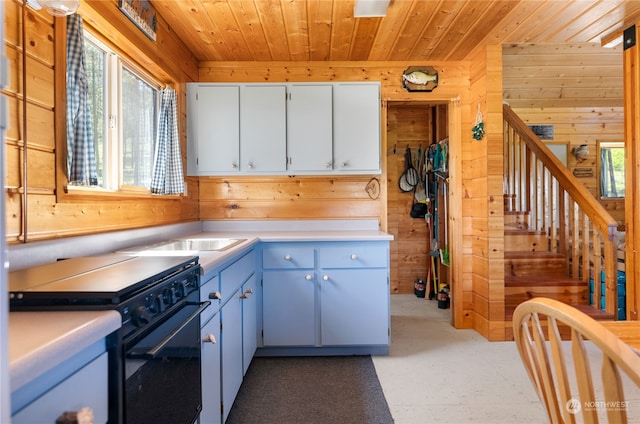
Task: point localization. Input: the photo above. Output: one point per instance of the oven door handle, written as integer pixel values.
(151, 353)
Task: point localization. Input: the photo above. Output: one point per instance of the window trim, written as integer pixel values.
(71, 193)
(599, 145)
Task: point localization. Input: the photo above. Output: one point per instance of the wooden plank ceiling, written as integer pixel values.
(412, 30)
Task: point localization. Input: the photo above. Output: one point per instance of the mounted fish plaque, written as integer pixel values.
(420, 78)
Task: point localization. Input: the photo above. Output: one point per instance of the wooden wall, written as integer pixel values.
(483, 211)
(50, 211)
(632, 159)
(576, 88)
(342, 196)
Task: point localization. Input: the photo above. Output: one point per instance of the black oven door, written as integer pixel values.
(162, 371)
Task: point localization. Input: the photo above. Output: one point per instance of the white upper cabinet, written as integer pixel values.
(356, 127)
(309, 128)
(263, 128)
(213, 129)
(283, 129)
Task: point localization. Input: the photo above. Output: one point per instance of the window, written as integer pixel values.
(611, 169)
(124, 104)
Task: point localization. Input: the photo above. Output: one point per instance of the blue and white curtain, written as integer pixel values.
(81, 155)
(167, 177)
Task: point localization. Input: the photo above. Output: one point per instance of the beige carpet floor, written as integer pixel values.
(437, 374)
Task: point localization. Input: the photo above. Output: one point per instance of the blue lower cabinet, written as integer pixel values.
(325, 298)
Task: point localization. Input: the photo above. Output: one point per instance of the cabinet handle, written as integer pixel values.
(244, 296)
(344, 164)
(325, 277)
(215, 295)
(308, 277)
(250, 165)
(249, 291)
(234, 165)
(83, 415)
(327, 165)
(287, 258)
(354, 257)
(209, 338)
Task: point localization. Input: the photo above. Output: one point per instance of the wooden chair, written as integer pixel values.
(547, 366)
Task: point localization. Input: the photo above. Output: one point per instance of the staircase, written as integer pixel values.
(531, 270)
(557, 235)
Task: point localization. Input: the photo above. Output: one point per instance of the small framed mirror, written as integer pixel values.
(560, 149)
(610, 166)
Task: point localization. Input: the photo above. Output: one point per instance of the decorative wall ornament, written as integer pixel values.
(581, 152)
(141, 13)
(420, 78)
(544, 132)
(478, 129)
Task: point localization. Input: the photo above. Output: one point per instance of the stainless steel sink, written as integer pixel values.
(181, 247)
(196, 244)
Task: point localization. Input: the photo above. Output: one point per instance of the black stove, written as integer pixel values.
(91, 282)
(159, 301)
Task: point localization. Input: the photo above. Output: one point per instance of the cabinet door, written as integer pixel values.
(249, 322)
(87, 387)
(288, 305)
(356, 127)
(354, 307)
(263, 129)
(310, 128)
(213, 129)
(211, 372)
(231, 346)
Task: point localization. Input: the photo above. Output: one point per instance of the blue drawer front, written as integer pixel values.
(354, 256)
(287, 257)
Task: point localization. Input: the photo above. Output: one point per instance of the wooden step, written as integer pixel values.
(518, 220)
(589, 310)
(525, 240)
(565, 289)
(521, 263)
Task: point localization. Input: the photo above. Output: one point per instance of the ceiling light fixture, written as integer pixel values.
(56, 7)
(370, 8)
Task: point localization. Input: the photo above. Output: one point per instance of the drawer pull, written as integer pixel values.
(325, 277)
(209, 338)
(287, 258)
(249, 291)
(246, 293)
(308, 277)
(82, 416)
(215, 295)
(354, 257)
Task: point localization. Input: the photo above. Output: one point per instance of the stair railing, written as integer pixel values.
(575, 223)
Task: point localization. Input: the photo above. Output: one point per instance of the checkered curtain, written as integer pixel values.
(81, 155)
(167, 175)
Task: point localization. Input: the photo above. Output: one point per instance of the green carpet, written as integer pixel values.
(311, 390)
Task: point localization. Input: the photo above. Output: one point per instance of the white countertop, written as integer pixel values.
(211, 259)
(38, 341)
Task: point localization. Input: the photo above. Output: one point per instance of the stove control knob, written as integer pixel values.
(178, 289)
(168, 297)
(156, 304)
(140, 316)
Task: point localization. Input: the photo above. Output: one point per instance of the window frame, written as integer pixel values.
(67, 192)
(611, 144)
